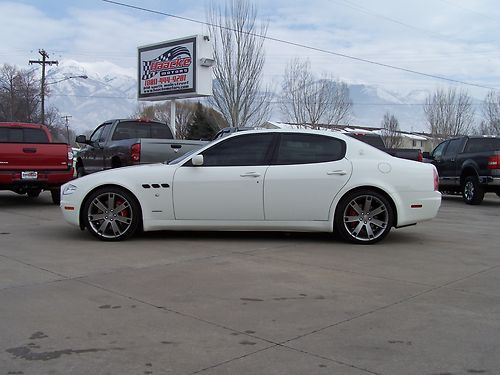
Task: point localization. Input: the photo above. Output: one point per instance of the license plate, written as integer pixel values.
(29, 175)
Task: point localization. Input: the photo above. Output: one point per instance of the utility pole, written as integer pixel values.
(43, 62)
(67, 127)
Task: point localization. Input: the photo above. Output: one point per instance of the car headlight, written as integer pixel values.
(69, 189)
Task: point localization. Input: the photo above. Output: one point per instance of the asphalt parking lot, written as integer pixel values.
(424, 301)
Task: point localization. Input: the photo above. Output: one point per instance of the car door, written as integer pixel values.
(93, 154)
(229, 184)
(448, 163)
(437, 160)
(306, 174)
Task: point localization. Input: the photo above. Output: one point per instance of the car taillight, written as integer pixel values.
(70, 157)
(494, 162)
(136, 152)
(436, 179)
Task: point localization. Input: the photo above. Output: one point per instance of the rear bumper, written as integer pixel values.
(415, 208)
(11, 180)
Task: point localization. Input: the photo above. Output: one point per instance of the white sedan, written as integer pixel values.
(277, 180)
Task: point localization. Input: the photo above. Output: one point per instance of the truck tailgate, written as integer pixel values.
(160, 150)
(24, 156)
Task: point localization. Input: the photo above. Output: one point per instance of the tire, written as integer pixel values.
(80, 171)
(364, 217)
(33, 193)
(472, 192)
(111, 214)
(498, 194)
(56, 196)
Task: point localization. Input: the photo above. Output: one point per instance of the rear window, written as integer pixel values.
(137, 129)
(483, 144)
(23, 135)
(371, 139)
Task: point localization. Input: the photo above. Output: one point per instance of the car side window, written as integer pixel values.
(251, 149)
(453, 147)
(97, 134)
(438, 151)
(309, 148)
(105, 131)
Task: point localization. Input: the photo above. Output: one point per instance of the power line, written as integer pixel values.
(394, 67)
(449, 3)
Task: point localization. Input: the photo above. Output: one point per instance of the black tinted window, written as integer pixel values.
(483, 144)
(453, 147)
(371, 139)
(308, 148)
(23, 135)
(252, 149)
(137, 129)
(438, 151)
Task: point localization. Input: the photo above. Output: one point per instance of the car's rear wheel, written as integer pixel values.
(111, 214)
(364, 217)
(472, 193)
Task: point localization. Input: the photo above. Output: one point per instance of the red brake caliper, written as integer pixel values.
(124, 212)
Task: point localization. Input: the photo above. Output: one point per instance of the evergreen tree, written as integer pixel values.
(202, 125)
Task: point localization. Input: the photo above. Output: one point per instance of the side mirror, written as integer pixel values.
(197, 160)
(427, 155)
(81, 139)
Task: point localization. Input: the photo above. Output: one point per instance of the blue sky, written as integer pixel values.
(455, 39)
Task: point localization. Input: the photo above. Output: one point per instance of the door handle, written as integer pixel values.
(337, 172)
(250, 174)
(29, 150)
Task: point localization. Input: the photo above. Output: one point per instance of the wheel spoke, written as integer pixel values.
(111, 201)
(122, 207)
(95, 217)
(368, 204)
(99, 205)
(358, 229)
(379, 223)
(351, 219)
(355, 207)
(123, 219)
(378, 211)
(103, 227)
(116, 229)
(369, 231)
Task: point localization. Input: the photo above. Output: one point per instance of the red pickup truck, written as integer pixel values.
(30, 162)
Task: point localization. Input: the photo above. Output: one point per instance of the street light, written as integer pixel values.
(66, 78)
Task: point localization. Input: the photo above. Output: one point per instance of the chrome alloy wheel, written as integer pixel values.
(469, 190)
(366, 218)
(110, 215)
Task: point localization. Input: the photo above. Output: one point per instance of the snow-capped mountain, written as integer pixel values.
(111, 92)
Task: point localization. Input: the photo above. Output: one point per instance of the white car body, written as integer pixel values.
(294, 197)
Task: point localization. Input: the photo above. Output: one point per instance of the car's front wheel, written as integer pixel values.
(364, 217)
(111, 214)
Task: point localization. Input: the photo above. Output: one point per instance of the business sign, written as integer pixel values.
(175, 69)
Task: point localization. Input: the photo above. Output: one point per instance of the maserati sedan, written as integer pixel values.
(260, 180)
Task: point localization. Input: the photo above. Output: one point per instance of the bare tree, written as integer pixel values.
(449, 112)
(310, 102)
(19, 95)
(239, 60)
(491, 113)
(391, 133)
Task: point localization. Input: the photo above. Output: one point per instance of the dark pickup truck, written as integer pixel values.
(377, 141)
(30, 162)
(468, 165)
(119, 143)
